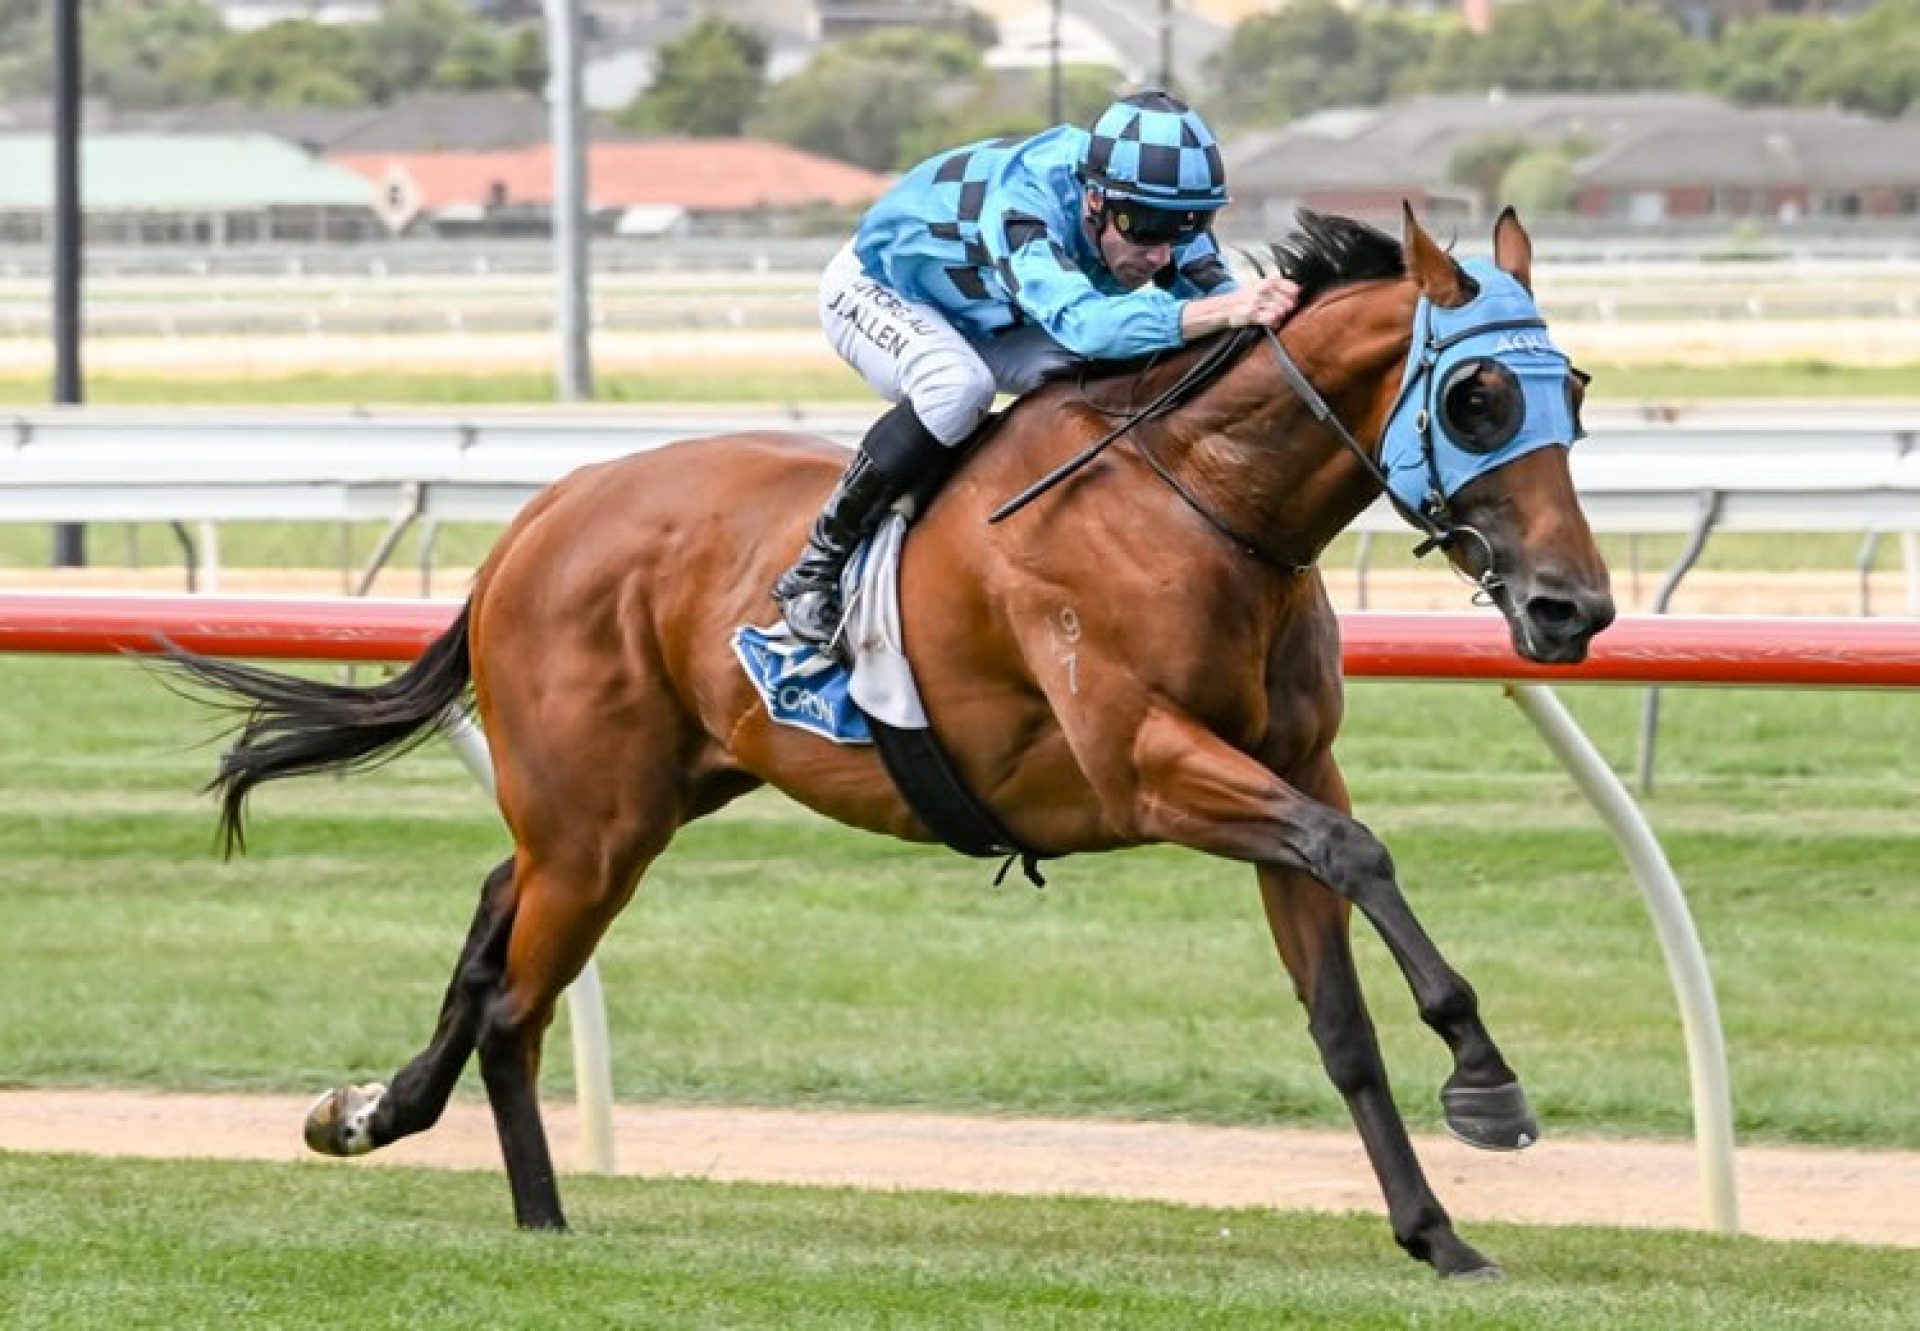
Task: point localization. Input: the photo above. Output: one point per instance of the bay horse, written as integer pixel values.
(1197, 706)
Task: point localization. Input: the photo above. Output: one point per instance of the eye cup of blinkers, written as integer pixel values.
(1577, 382)
(1481, 405)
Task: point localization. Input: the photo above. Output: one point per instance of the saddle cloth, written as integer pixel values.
(803, 686)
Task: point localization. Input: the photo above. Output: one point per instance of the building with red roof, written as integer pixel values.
(636, 187)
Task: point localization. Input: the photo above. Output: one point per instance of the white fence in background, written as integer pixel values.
(1751, 469)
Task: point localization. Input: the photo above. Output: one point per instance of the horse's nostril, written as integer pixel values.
(1555, 614)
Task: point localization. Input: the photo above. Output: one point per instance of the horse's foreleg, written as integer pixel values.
(351, 1120)
(1482, 1099)
(1197, 791)
(1309, 927)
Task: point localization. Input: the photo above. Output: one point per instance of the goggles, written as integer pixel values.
(1139, 224)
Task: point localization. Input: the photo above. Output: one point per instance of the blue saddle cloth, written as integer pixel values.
(801, 685)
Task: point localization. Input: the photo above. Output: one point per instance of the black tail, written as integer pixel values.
(294, 726)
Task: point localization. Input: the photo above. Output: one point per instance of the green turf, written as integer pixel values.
(773, 958)
(1613, 384)
(341, 551)
(125, 1245)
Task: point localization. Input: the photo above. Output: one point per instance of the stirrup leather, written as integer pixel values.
(809, 593)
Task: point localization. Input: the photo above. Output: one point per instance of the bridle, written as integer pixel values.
(1434, 520)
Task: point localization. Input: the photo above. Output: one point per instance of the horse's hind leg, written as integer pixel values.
(564, 903)
(354, 1119)
(1309, 926)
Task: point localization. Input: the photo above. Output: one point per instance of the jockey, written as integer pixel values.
(989, 267)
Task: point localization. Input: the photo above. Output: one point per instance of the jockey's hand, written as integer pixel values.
(1267, 300)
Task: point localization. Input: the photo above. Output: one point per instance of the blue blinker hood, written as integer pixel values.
(1425, 466)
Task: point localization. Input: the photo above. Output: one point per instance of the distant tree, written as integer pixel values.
(978, 28)
(481, 57)
(1869, 63)
(1311, 55)
(1086, 90)
(1482, 162)
(136, 55)
(1538, 184)
(865, 101)
(1567, 46)
(296, 62)
(1878, 64)
(994, 112)
(523, 59)
(1771, 61)
(150, 55)
(474, 60)
(707, 83)
(406, 44)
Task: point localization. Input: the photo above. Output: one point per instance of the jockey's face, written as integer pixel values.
(1132, 264)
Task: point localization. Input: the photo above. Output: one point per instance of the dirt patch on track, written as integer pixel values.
(1785, 1193)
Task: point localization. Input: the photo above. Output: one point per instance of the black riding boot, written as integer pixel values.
(895, 454)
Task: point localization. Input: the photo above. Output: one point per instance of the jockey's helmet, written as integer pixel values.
(1153, 149)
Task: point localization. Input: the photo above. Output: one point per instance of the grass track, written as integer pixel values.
(772, 958)
(88, 1243)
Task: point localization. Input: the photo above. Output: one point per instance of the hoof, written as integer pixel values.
(341, 1121)
(1486, 1273)
(1493, 1118)
(1453, 1258)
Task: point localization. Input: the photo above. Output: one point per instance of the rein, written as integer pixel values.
(1440, 532)
(1198, 375)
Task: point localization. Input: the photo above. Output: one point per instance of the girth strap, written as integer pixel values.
(925, 777)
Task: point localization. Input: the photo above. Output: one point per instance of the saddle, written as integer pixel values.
(877, 700)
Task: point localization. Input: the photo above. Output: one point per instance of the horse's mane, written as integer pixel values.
(1324, 251)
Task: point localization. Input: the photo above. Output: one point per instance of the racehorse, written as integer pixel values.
(1197, 705)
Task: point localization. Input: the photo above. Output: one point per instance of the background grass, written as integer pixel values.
(774, 958)
(458, 547)
(832, 382)
(133, 1245)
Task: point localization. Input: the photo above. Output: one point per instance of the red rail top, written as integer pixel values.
(1639, 649)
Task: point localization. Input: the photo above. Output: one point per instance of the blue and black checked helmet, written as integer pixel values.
(1154, 149)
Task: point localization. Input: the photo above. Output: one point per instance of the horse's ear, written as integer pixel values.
(1439, 277)
(1513, 248)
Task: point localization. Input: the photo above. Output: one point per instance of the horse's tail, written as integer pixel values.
(294, 726)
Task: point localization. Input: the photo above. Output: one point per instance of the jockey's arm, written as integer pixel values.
(1267, 300)
(1052, 291)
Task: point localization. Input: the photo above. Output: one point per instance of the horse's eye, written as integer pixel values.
(1481, 405)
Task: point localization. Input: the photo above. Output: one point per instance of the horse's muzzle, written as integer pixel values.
(1554, 623)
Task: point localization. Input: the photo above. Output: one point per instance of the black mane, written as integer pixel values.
(1325, 251)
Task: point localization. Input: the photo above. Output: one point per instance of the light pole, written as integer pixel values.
(574, 371)
(69, 538)
(1056, 95)
(1166, 44)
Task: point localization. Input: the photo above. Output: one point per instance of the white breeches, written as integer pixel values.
(907, 350)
